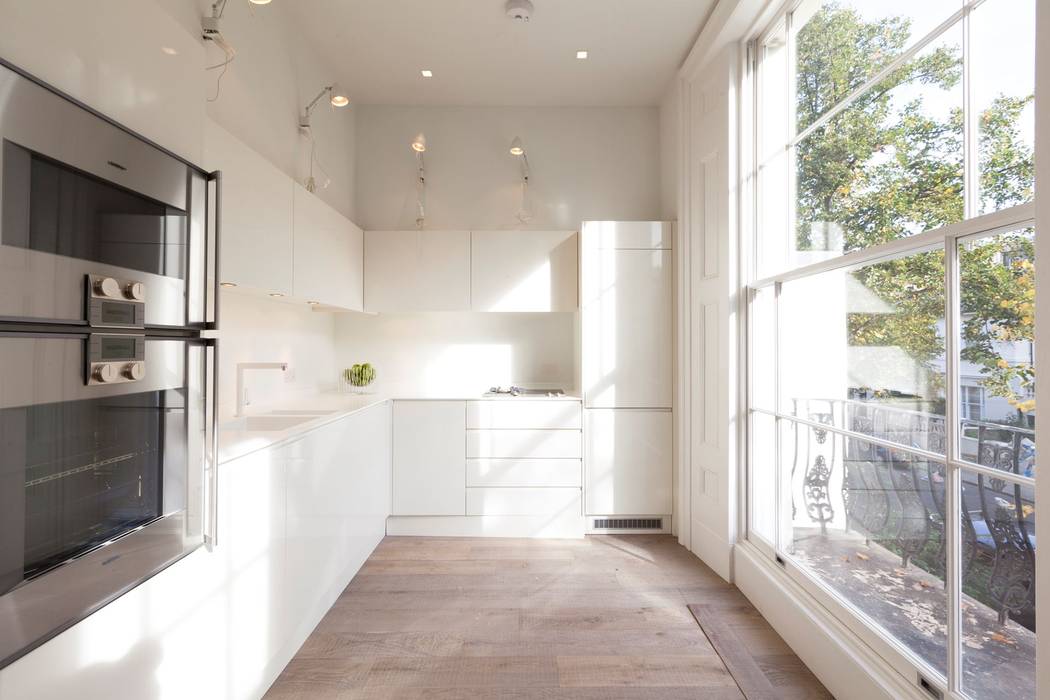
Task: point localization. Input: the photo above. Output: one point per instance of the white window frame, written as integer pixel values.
(907, 663)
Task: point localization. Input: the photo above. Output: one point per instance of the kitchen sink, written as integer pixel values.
(269, 423)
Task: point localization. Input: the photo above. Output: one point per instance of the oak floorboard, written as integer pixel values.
(519, 619)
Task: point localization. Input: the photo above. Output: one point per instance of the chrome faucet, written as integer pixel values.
(242, 398)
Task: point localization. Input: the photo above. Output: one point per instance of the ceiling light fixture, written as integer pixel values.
(581, 55)
(313, 303)
(259, 2)
(517, 149)
(168, 50)
(276, 295)
(227, 284)
(427, 73)
(519, 10)
(419, 147)
(336, 96)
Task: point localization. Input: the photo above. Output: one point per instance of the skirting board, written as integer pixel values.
(846, 666)
(547, 526)
(713, 550)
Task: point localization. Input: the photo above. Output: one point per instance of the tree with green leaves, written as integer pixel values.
(888, 166)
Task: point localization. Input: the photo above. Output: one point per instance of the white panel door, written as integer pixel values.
(628, 462)
(429, 458)
(417, 271)
(524, 270)
(257, 244)
(329, 254)
(627, 328)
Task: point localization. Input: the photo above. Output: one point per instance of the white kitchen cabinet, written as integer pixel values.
(522, 501)
(524, 270)
(429, 460)
(500, 414)
(627, 328)
(628, 462)
(526, 444)
(257, 247)
(328, 260)
(630, 235)
(524, 472)
(338, 495)
(417, 271)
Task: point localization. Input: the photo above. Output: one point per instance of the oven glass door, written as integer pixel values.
(80, 197)
(100, 485)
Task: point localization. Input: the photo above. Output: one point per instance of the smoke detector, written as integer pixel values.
(519, 10)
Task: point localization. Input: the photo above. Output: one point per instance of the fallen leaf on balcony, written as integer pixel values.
(973, 643)
(845, 559)
(900, 572)
(996, 637)
(862, 556)
(924, 584)
(916, 586)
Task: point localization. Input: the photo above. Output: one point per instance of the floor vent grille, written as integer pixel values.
(628, 524)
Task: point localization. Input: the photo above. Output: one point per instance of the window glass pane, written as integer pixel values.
(763, 349)
(865, 348)
(775, 249)
(997, 537)
(891, 164)
(997, 370)
(840, 44)
(1003, 60)
(869, 523)
(763, 476)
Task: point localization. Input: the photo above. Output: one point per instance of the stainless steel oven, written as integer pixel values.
(107, 361)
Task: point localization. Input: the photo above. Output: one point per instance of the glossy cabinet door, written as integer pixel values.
(628, 462)
(328, 254)
(627, 328)
(417, 271)
(338, 496)
(257, 247)
(524, 270)
(429, 458)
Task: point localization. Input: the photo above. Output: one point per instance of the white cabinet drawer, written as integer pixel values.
(525, 472)
(524, 413)
(502, 444)
(539, 501)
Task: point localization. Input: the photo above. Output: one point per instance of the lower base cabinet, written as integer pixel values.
(628, 461)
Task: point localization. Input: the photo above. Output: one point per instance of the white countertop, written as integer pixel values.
(236, 441)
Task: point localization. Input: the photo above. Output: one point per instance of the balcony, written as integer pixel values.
(869, 521)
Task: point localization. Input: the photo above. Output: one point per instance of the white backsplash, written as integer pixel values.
(459, 354)
(255, 329)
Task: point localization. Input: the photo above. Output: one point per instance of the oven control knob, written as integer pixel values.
(104, 374)
(134, 291)
(134, 371)
(107, 287)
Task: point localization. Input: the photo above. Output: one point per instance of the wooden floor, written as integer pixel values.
(603, 617)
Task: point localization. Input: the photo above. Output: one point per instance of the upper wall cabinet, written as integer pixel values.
(417, 271)
(328, 254)
(524, 271)
(256, 215)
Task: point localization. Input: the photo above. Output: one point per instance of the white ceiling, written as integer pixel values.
(481, 57)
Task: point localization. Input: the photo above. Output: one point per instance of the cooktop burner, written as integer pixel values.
(520, 391)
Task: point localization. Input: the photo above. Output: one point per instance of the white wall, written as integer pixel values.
(460, 354)
(587, 163)
(670, 147)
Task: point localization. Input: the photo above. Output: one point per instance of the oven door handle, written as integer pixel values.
(211, 469)
(215, 248)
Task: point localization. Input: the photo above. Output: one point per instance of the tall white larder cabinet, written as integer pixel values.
(626, 281)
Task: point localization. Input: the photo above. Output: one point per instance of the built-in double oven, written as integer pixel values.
(107, 361)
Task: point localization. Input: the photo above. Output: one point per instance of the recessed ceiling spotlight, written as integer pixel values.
(276, 295)
(227, 284)
(168, 50)
(259, 2)
(427, 73)
(313, 303)
(581, 55)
